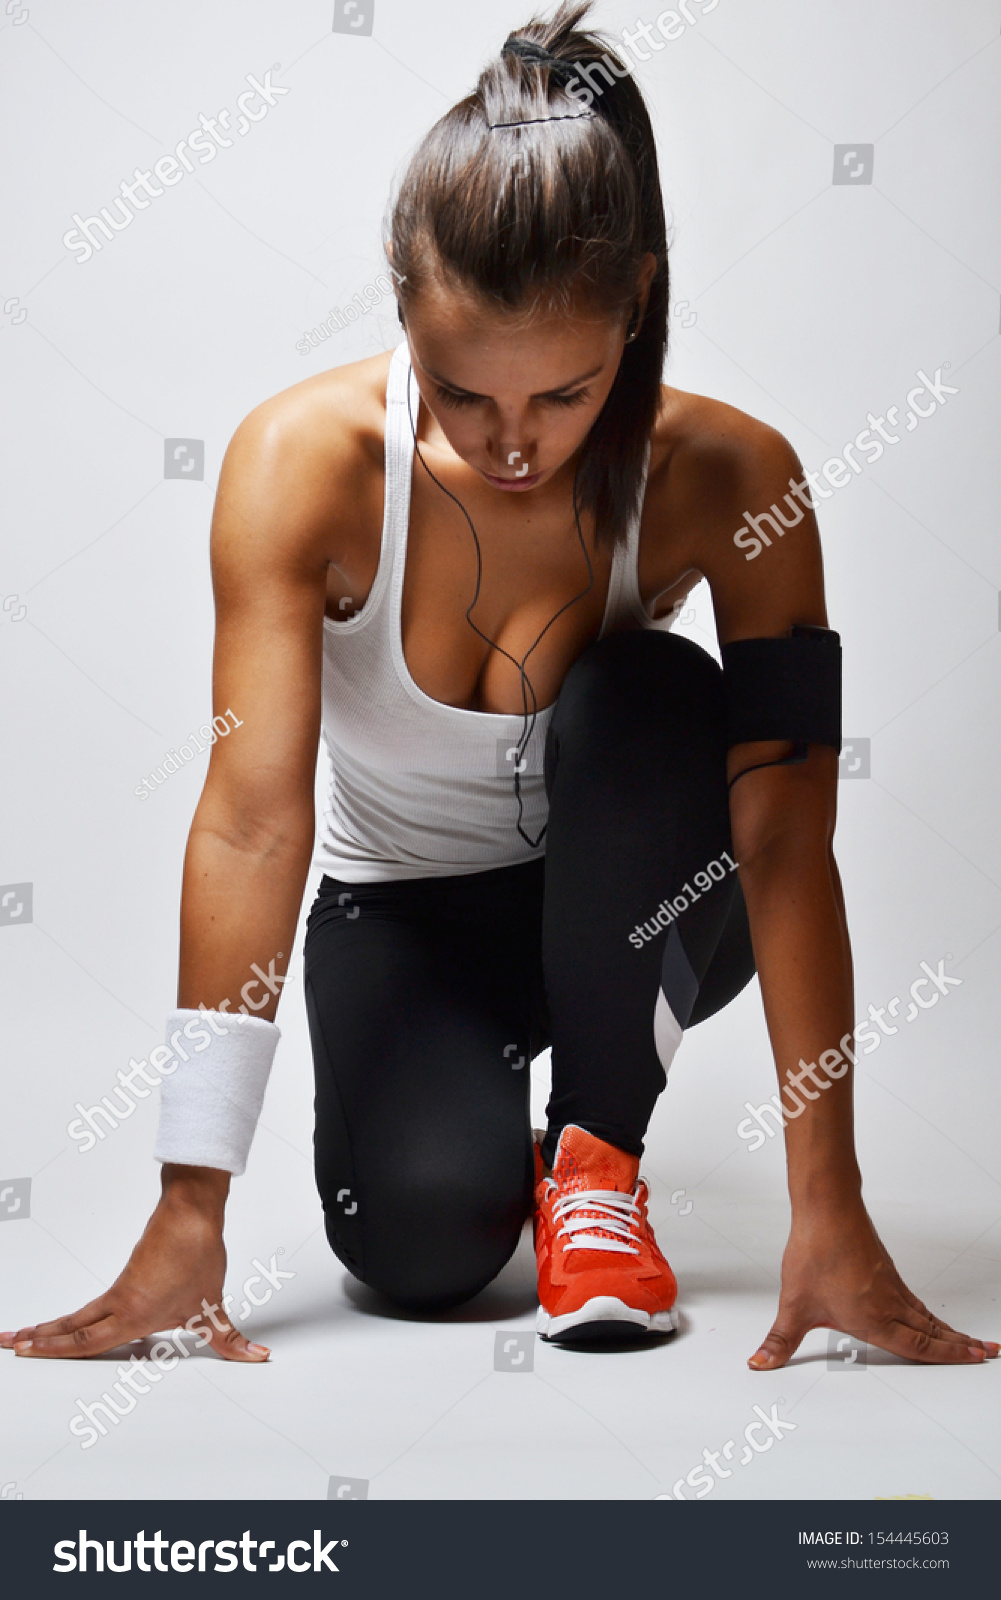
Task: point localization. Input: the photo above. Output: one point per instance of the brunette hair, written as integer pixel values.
(542, 185)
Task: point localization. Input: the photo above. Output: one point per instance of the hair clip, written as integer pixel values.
(528, 122)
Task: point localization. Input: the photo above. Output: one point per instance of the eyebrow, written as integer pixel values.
(545, 394)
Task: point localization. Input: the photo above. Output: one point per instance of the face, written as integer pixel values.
(513, 395)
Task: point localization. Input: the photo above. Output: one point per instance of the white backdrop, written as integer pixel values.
(808, 302)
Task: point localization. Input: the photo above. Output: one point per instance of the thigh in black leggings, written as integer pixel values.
(426, 998)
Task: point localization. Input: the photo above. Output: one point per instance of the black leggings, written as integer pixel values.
(428, 997)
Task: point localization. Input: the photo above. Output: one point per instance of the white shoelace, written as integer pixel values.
(615, 1213)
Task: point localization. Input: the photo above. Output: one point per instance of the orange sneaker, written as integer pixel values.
(601, 1275)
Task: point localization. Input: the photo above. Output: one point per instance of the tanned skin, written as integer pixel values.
(296, 532)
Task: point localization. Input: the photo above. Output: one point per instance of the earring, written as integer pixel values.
(634, 325)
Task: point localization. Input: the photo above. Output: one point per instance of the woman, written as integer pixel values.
(452, 558)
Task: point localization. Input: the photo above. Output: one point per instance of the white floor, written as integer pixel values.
(415, 1409)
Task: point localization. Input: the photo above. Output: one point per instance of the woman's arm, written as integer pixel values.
(835, 1271)
(251, 838)
(248, 851)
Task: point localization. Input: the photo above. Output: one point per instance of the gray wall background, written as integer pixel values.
(805, 301)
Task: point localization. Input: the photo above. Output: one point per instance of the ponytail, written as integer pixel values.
(543, 185)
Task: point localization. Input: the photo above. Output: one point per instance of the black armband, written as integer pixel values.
(784, 689)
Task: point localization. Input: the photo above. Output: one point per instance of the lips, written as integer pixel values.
(527, 482)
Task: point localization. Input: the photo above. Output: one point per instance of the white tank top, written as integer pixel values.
(415, 788)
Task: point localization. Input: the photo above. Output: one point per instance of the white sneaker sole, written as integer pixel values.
(605, 1316)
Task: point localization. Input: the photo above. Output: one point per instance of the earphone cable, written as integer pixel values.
(526, 682)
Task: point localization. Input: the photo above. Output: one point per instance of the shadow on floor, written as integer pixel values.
(511, 1294)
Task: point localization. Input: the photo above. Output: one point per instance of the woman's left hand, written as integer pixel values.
(837, 1274)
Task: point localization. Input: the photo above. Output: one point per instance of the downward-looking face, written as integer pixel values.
(514, 393)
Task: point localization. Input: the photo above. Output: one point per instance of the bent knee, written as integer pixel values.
(434, 1244)
(641, 684)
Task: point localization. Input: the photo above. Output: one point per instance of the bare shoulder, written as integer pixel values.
(716, 473)
(708, 454)
(305, 467)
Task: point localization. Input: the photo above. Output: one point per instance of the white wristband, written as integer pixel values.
(210, 1100)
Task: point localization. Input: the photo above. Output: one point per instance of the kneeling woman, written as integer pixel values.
(459, 560)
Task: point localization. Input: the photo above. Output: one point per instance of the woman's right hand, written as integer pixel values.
(174, 1273)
